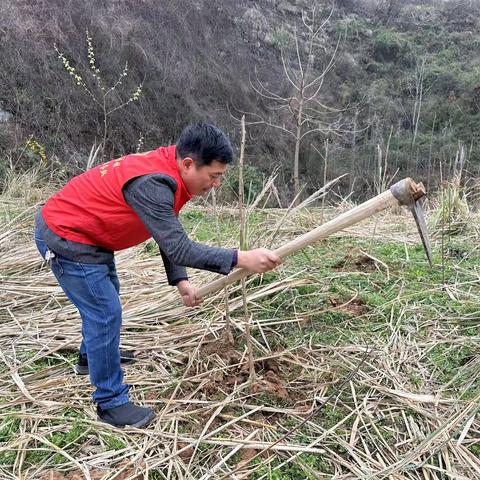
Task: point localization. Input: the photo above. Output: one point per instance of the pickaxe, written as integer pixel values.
(406, 192)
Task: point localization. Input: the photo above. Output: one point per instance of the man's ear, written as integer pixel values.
(188, 163)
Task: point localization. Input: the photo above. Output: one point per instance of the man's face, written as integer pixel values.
(200, 180)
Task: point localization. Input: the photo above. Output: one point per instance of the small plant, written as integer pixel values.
(280, 38)
(37, 148)
(452, 215)
(453, 211)
(141, 141)
(96, 88)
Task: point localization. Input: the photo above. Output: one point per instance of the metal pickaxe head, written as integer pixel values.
(409, 193)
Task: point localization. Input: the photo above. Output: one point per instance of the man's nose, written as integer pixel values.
(216, 183)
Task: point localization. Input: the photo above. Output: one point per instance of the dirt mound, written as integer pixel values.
(270, 377)
(361, 262)
(355, 306)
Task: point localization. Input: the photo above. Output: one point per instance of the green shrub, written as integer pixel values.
(390, 46)
(280, 38)
(252, 183)
(355, 28)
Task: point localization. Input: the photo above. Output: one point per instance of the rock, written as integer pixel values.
(5, 116)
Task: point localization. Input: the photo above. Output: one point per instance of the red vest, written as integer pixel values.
(91, 209)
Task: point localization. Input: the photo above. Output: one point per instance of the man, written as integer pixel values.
(114, 206)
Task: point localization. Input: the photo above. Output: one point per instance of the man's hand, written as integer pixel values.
(188, 293)
(259, 260)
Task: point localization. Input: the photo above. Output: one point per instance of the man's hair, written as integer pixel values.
(204, 143)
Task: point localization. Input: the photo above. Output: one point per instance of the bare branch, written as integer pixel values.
(330, 65)
(308, 27)
(269, 94)
(259, 120)
(297, 48)
(324, 107)
(308, 132)
(287, 74)
(317, 89)
(327, 19)
(280, 127)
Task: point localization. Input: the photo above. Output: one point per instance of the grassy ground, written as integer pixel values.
(366, 295)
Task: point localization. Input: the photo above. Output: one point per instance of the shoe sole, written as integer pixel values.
(80, 369)
(144, 422)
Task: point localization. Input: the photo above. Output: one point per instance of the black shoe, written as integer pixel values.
(81, 368)
(127, 414)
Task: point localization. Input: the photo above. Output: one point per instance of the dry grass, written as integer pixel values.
(391, 421)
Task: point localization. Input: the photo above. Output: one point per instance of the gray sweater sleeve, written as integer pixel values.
(152, 197)
(175, 273)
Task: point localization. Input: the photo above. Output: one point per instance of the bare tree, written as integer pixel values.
(301, 112)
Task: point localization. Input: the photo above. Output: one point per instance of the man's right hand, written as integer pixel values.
(188, 293)
(259, 260)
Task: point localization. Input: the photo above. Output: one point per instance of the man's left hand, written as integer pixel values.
(188, 293)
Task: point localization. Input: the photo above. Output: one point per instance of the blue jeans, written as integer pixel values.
(93, 289)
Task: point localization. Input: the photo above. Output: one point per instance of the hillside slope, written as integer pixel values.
(406, 79)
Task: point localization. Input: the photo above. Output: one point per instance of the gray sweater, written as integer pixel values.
(152, 199)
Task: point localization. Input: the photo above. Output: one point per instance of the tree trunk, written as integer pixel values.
(298, 138)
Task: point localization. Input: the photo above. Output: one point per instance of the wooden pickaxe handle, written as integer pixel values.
(406, 191)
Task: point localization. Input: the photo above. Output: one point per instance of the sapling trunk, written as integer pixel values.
(244, 246)
(228, 323)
